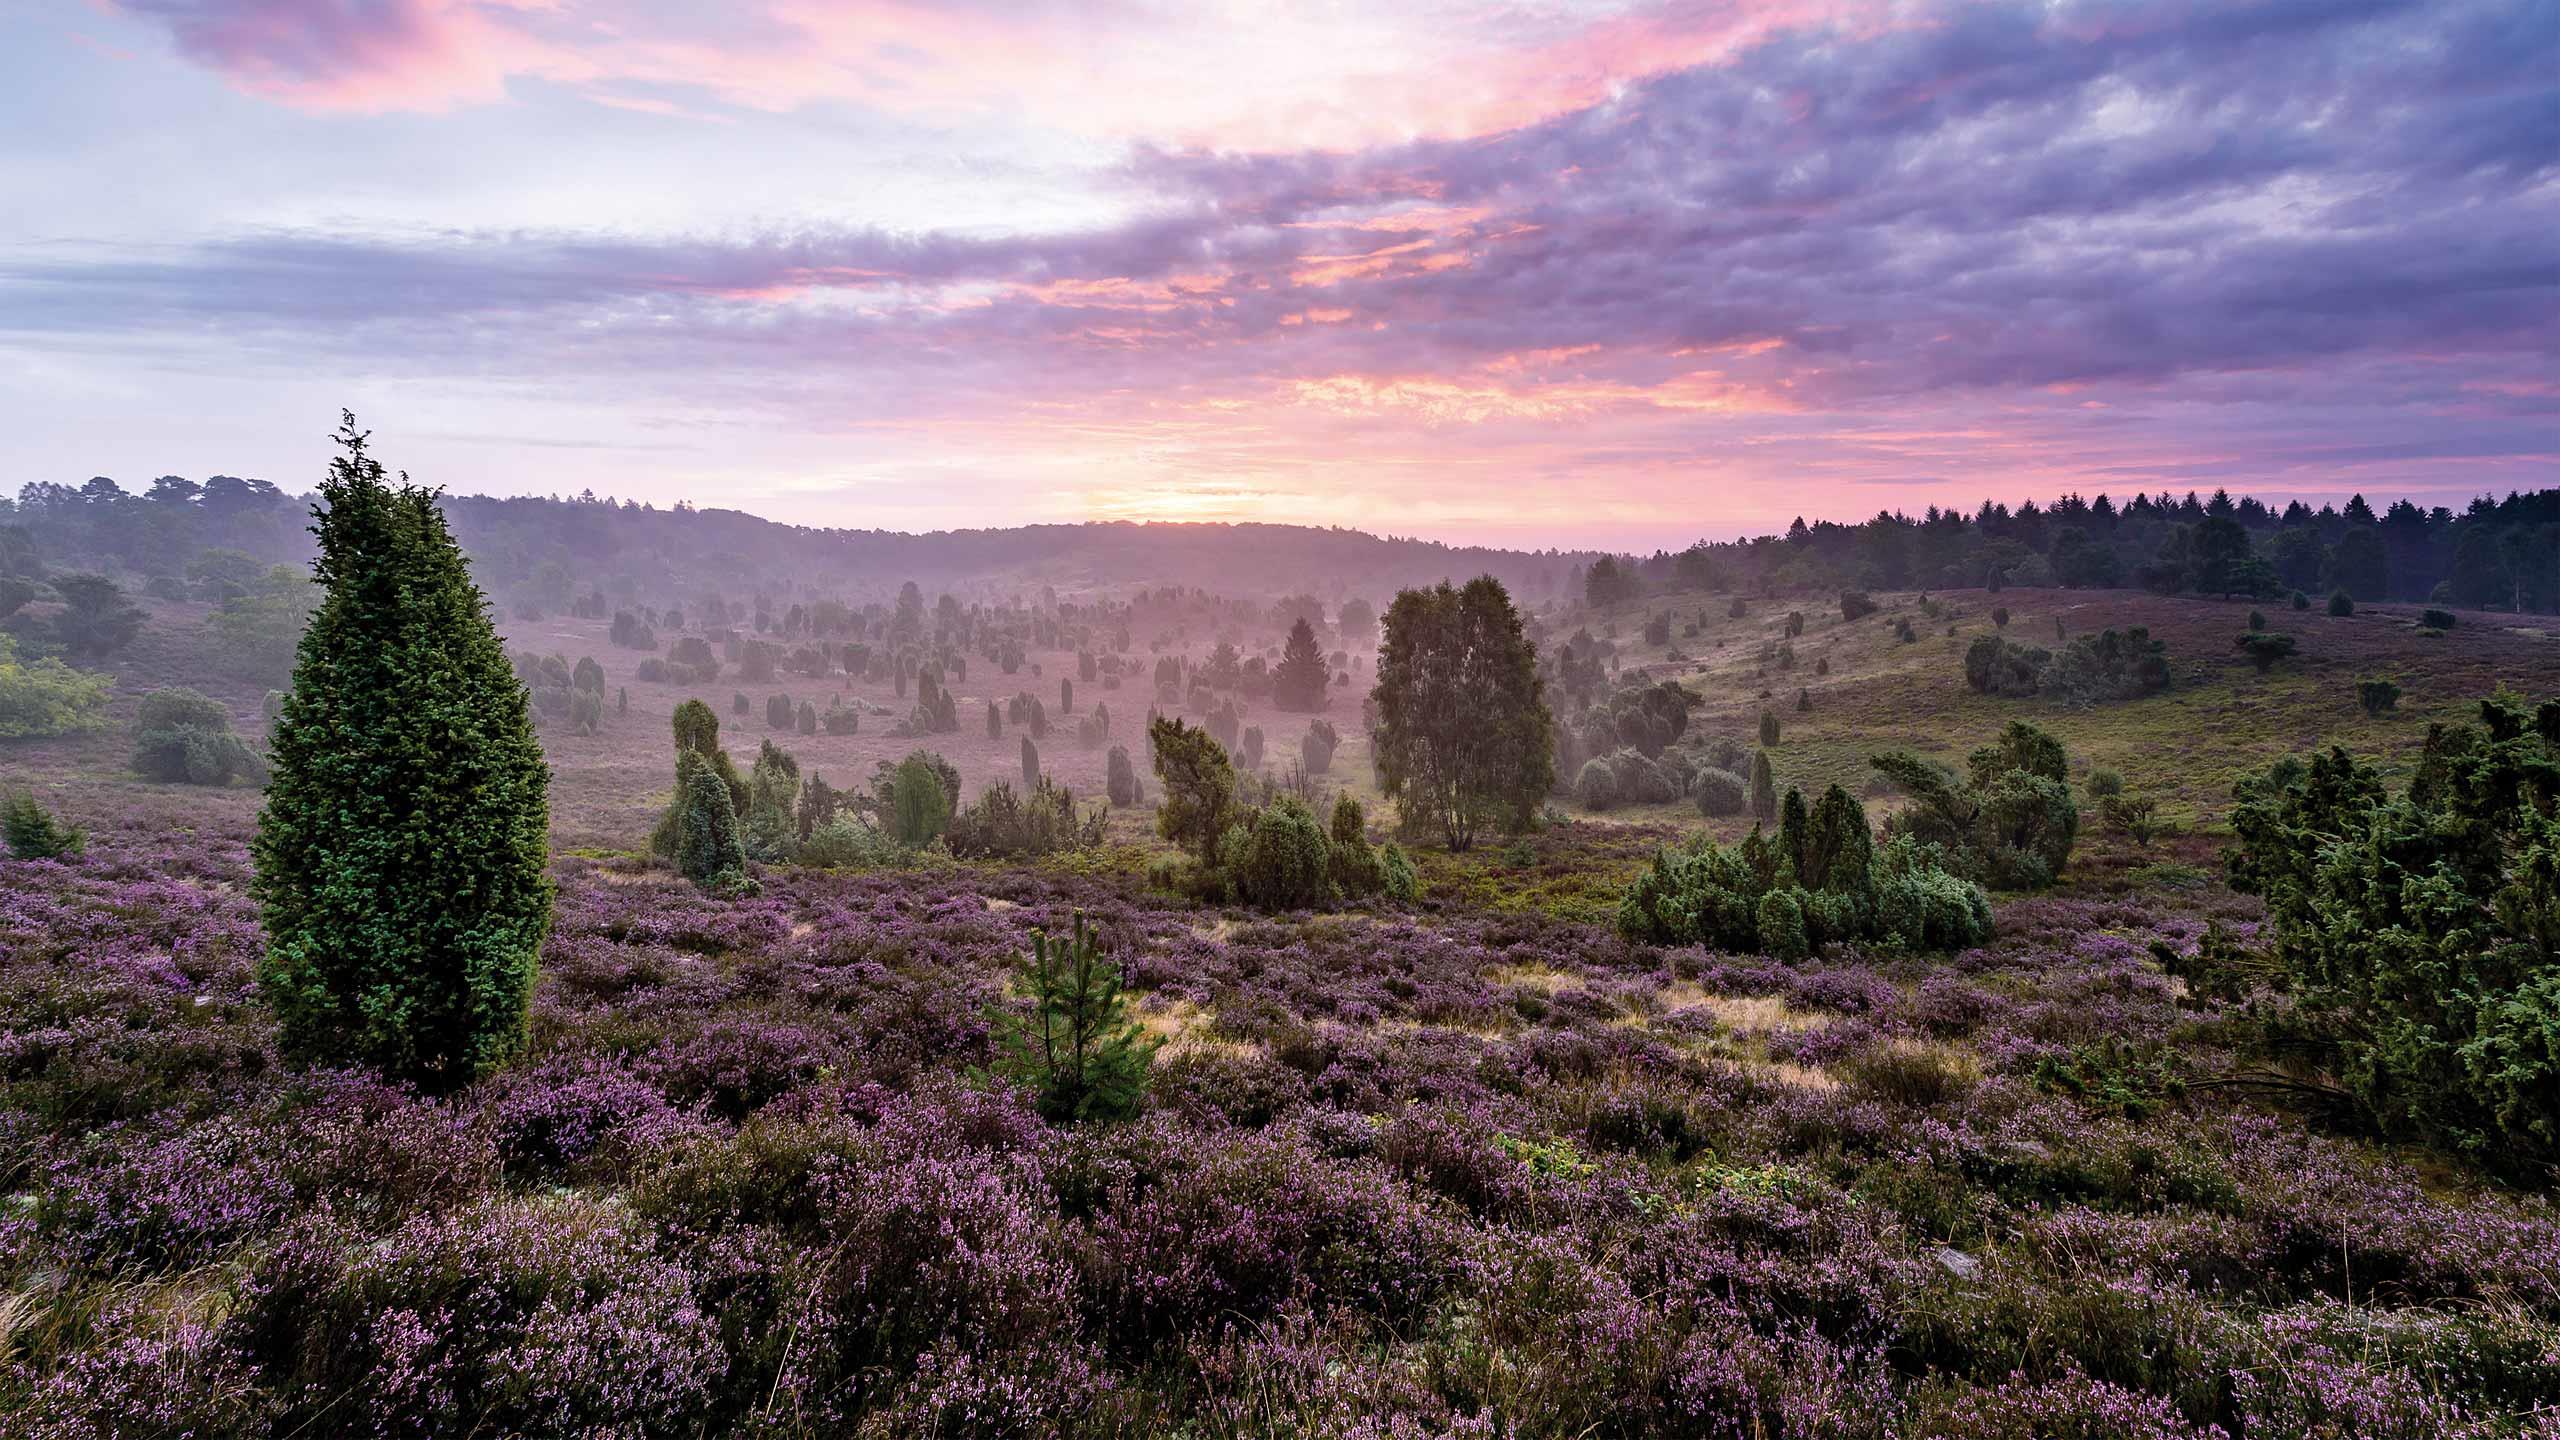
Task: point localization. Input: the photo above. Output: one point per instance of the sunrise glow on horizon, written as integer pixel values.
(1623, 273)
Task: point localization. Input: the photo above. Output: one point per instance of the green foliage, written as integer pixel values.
(1396, 875)
(2264, 650)
(1463, 739)
(1120, 778)
(2110, 665)
(257, 630)
(2010, 823)
(1005, 824)
(30, 832)
(697, 733)
(40, 698)
(1768, 729)
(1083, 1057)
(1281, 859)
(2378, 696)
(2341, 604)
(1718, 792)
(2103, 783)
(1820, 881)
(918, 805)
(1856, 605)
(1199, 785)
(183, 737)
(2419, 934)
(847, 843)
(2437, 619)
(1597, 786)
(770, 830)
(2117, 1075)
(400, 853)
(709, 850)
(97, 619)
(1993, 666)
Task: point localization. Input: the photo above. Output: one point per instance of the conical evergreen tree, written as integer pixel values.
(1298, 683)
(400, 854)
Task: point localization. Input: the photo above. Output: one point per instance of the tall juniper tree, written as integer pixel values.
(1463, 740)
(400, 854)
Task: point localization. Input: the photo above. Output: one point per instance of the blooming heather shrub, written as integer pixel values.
(153, 1194)
(547, 1315)
(401, 850)
(158, 1375)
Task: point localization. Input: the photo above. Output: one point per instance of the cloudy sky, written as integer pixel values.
(1623, 272)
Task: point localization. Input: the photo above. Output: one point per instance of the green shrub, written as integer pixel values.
(2010, 822)
(31, 833)
(1764, 786)
(2341, 604)
(182, 737)
(2414, 932)
(400, 853)
(1077, 1049)
(709, 851)
(848, 844)
(2301, 601)
(2257, 619)
(918, 805)
(2110, 665)
(1768, 729)
(1597, 786)
(2264, 650)
(1719, 792)
(2103, 783)
(1820, 881)
(2437, 619)
(1396, 874)
(41, 698)
(1283, 860)
(1994, 666)
(2378, 696)
(1120, 782)
(1005, 824)
(1856, 605)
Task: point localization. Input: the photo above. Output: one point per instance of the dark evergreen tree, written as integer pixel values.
(400, 854)
(1299, 681)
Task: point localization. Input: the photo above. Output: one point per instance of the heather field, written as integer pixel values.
(1474, 1165)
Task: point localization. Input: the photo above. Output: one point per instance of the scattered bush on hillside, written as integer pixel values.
(2264, 650)
(1006, 824)
(41, 698)
(182, 737)
(2378, 696)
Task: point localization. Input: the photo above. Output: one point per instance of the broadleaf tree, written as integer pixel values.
(1463, 739)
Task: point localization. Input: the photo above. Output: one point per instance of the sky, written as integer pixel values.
(1625, 273)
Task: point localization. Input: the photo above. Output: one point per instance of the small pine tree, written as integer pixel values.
(2341, 604)
(1804, 700)
(400, 854)
(1030, 763)
(1078, 1050)
(1768, 729)
(995, 722)
(31, 832)
(1120, 780)
(1066, 696)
